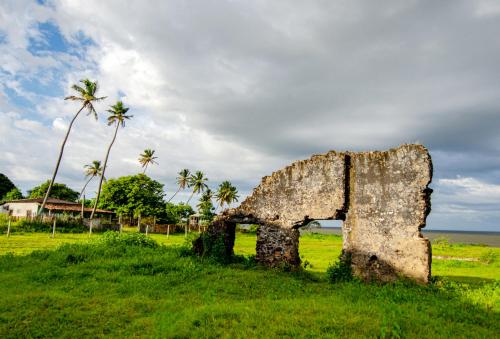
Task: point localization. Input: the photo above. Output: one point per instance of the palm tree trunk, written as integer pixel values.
(145, 168)
(103, 171)
(84, 187)
(58, 161)
(187, 202)
(174, 194)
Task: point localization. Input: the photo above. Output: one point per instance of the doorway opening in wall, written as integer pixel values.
(320, 244)
(245, 241)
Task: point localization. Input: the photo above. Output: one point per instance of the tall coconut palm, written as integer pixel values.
(182, 181)
(226, 194)
(117, 116)
(91, 171)
(147, 158)
(87, 96)
(198, 183)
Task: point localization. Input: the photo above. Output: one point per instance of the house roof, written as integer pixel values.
(40, 200)
(74, 208)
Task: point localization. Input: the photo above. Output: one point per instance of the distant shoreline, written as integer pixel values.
(425, 230)
(488, 238)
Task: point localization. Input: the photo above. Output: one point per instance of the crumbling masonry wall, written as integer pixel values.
(382, 196)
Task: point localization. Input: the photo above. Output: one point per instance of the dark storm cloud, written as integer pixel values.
(363, 77)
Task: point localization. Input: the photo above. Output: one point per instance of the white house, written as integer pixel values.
(29, 207)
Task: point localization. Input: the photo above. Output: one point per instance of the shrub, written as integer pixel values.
(127, 239)
(340, 271)
(212, 246)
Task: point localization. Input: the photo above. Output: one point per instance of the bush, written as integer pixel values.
(212, 246)
(340, 271)
(127, 239)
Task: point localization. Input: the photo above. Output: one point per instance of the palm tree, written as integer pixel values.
(87, 96)
(197, 181)
(117, 116)
(232, 196)
(91, 171)
(226, 194)
(182, 181)
(147, 158)
(206, 198)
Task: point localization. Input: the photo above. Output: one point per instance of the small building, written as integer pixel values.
(194, 220)
(29, 207)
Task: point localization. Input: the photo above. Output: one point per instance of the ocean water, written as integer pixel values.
(464, 237)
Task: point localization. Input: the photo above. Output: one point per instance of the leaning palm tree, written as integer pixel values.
(147, 158)
(197, 182)
(117, 117)
(86, 95)
(91, 171)
(182, 181)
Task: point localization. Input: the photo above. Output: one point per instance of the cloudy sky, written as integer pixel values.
(238, 89)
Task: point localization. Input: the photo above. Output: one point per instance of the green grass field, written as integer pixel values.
(91, 288)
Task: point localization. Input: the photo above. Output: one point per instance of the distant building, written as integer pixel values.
(194, 220)
(29, 207)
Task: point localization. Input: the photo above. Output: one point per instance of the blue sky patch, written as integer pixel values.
(50, 40)
(3, 37)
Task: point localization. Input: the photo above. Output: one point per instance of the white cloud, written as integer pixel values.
(471, 191)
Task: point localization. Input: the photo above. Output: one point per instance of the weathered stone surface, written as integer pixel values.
(277, 245)
(389, 201)
(384, 195)
(305, 190)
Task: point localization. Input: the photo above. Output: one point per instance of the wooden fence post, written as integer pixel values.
(54, 228)
(120, 222)
(147, 229)
(168, 230)
(8, 228)
(83, 204)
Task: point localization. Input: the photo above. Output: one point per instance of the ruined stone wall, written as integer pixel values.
(307, 189)
(389, 201)
(277, 245)
(382, 196)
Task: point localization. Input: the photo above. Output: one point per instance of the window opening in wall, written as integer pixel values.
(245, 239)
(318, 255)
